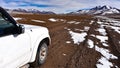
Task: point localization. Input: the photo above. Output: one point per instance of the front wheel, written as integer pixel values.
(41, 55)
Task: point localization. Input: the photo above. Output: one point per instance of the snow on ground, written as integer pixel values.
(77, 22)
(105, 53)
(105, 44)
(117, 29)
(17, 18)
(55, 20)
(77, 37)
(67, 28)
(79, 30)
(91, 22)
(102, 38)
(103, 62)
(86, 28)
(99, 22)
(90, 43)
(92, 35)
(113, 23)
(52, 19)
(73, 22)
(64, 54)
(38, 21)
(62, 20)
(68, 42)
(102, 31)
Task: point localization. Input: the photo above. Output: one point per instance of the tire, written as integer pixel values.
(41, 55)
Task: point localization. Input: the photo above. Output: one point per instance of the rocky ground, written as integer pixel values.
(79, 41)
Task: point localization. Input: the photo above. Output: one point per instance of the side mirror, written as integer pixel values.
(21, 29)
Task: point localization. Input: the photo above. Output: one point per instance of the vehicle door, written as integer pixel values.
(14, 46)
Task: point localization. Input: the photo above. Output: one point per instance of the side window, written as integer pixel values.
(6, 27)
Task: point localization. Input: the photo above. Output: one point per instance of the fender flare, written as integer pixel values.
(41, 39)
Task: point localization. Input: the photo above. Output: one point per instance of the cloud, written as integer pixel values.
(58, 6)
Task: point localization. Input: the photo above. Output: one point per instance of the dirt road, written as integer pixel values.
(65, 52)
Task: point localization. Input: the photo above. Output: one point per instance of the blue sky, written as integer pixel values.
(58, 6)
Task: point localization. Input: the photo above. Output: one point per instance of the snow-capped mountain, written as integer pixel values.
(99, 10)
(31, 11)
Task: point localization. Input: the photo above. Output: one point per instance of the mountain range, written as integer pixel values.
(98, 10)
(30, 11)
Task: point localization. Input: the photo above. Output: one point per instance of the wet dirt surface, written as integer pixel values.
(64, 53)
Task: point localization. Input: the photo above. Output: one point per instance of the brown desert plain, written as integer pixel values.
(79, 41)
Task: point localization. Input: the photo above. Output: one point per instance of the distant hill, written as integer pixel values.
(98, 10)
(30, 11)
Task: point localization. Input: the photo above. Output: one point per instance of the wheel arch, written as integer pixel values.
(46, 40)
(37, 45)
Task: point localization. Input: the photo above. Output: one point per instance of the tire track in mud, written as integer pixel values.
(86, 57)
(59, 49)
(114, 39)
(81, 57)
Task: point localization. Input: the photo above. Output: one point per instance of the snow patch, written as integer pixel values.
(104, 63)
(71, 22)
(77, 37)
(52, 19)
(17, 18)
(64, 54)
(67, 28)
(90, 43)
(105, 53)
(102, 31)
(92, 35)
(79, 30)
(86, 28)
(68, 42)
(117, 29)
(104, 44)
(91, 22)
(62, 20)
(99, 22)
(38, 21)
(77, 22)
(102, 38)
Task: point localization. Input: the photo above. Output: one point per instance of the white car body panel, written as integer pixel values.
(17, 50)
(16, 47)
(37, 34)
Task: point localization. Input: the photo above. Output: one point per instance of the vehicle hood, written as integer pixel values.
(33, 27)
(35, 30)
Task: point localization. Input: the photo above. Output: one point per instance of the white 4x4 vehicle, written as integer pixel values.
(21, 44)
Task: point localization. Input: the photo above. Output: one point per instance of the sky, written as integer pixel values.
(58, 6)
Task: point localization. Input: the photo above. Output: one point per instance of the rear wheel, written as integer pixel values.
(41, 55)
